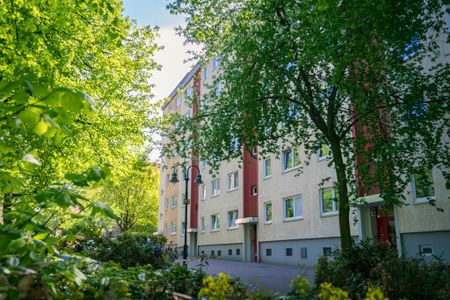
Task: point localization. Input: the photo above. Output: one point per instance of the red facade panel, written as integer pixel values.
(250, 175)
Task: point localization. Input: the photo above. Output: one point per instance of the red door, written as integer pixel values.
(386, 229)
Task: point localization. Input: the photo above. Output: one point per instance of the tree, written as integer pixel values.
(74, 104)
(83, 46)
(134, 196)
(367, 78)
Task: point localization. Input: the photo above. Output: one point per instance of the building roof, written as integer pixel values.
(182, 83)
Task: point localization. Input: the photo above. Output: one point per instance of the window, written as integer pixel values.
(230, 252)
(174, 202)
(205, 73)
(215, 187)
(422, 187)
(212, 253)
(219, 252)
(326, 251)
(215, 222)
(323, 152)
(203, 163)
(235, 146)
(167, 203)
(189, 91)
(182, 227)
(254, 190)
(167, 179)
(203, 191)
(268, 212)
(238, 251)
(293, 208)
(162, 193)
(288, 251)
(218, 89)
(177, 102)
(267, 168)
(182, 199)
(426, 250)
(328, 201)
(303, 252)
(268, 252)
(233, 181)
(202, 224)
(291, 158)
(232, 216)
(173, 228)
(216, 62)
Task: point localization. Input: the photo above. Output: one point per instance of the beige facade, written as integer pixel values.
(297, 217)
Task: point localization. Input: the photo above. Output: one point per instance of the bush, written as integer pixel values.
(127, 249)
(370, 264)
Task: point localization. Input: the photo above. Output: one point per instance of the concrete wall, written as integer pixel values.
(314, 249)
(307, 183)
(439, 241)
(236, 251)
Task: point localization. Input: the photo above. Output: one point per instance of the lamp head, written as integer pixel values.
(174, 178)
(198, 179)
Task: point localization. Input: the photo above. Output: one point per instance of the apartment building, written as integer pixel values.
(266, 210)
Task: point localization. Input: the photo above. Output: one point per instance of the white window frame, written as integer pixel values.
(182, 228)
(266, 220)
(319, 153)
(295, 216)
(265, 173)
(215, 222)
(202, 224)
(173, 229)
(203, 192)
(425, 199)
(177, 101)
(421, 252)
(234, 216)
(215, 188)
(174, 201)
(233, 177)
(291, 158)
(182, 199)
(205, 73)
(335, 209)
(203, 163)
(254, 190)
(216, 62)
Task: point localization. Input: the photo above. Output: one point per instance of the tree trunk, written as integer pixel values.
(344, 203)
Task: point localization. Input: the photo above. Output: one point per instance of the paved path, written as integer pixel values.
(263, 276)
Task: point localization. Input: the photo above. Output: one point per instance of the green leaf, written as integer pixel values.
(41, 127)
(40, 236)
(30, 162)
(98, 207)
(71, 101)
(30, 116)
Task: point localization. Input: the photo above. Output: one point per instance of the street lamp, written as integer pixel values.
(198, 180)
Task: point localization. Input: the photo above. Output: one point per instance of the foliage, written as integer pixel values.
(225, 287)
(55, 140)
(127, 250)
(134, 196)
(300, 288)
(368, 264)
(81, 278)
(367, 78)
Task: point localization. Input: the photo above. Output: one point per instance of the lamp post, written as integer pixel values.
(198, 180)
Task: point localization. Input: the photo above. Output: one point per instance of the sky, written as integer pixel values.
(172, 57)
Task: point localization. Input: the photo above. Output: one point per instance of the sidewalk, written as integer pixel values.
(275, 278)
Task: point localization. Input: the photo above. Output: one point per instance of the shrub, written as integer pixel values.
(370, 264)
(127, 249)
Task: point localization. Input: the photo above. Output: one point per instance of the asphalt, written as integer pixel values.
(263, 277)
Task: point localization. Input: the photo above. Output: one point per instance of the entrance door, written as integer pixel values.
(386, 229)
